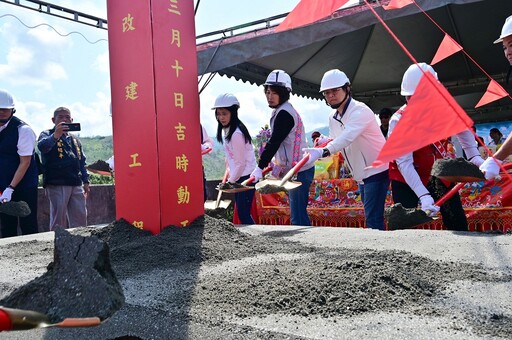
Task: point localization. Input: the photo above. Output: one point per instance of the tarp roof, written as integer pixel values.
(354, 41)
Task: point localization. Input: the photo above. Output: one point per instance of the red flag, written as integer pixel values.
(447, 48)
(308, 11)
(431, 115)
(494, 92)
(396, 4)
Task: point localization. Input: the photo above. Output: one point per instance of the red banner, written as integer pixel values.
(155, 112)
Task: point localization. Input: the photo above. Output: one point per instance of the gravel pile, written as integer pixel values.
(284, 277)
(211, 281)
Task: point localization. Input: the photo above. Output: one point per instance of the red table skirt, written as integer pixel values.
(337, 203)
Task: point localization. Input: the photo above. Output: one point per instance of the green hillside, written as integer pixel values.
(96, 148)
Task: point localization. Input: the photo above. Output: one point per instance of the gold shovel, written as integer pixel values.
(270, 186)
(244, 186)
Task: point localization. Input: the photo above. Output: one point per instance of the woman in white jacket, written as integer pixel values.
(235, 137)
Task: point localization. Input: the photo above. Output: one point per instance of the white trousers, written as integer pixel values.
(67, 206)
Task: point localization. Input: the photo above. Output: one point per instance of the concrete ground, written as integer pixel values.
(142, 318)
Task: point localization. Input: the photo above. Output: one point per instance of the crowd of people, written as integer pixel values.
(353, 131)
(62, 166)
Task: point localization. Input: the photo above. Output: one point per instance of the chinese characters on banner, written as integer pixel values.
(155, 102)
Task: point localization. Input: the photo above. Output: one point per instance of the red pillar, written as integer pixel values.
(155, 112)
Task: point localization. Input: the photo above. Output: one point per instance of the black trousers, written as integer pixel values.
(28, 224)
(454, 217)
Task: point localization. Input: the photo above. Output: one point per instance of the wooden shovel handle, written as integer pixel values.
(219, 195)
(79, 322)
(295, 169)
(449, 194)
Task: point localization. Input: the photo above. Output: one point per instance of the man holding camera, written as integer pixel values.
(65, 178)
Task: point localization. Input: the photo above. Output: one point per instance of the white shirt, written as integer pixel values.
(26, 139)
(239, 155)
(359, 137)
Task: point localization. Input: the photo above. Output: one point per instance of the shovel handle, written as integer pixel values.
(449, 194)
(78, 322)
(219, 195)
(5, 321)
(295, 169)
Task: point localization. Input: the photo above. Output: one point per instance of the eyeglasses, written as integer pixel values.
(331, 92)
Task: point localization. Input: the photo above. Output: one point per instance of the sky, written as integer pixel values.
(44, 69)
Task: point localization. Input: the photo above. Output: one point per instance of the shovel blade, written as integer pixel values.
(270, 186)
(235, 190)
(212, 205)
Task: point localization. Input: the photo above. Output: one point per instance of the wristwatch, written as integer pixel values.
(326, 153)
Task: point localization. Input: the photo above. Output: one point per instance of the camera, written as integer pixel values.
(73, 126)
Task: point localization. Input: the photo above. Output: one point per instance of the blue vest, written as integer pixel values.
(10, 160)
(62, 163)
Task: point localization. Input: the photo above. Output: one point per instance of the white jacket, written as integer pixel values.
(359, 138)
(240, 156)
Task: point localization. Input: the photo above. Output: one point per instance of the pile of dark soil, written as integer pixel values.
(20, 208)
(212, 274)
(100, 165)
(271, 189)
(79, 282)
(457, 170)
(206, 240)
(219, 213)
(398, 217)
(289, 278)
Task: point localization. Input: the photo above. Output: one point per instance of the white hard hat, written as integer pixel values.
(412, 77)
(225, 100)
(279, 78)
(6, 100)
(506, 30)
(333, 79)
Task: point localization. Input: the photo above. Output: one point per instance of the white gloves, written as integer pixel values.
(204, 147)
(314, 154)
(257, 173)
(6, 195)
(491, 167)
(477, 160)
(428, 206)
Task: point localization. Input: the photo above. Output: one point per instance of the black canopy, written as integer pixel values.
(354, 41)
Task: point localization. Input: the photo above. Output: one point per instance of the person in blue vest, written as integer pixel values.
(18, 168)
(65, 177)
